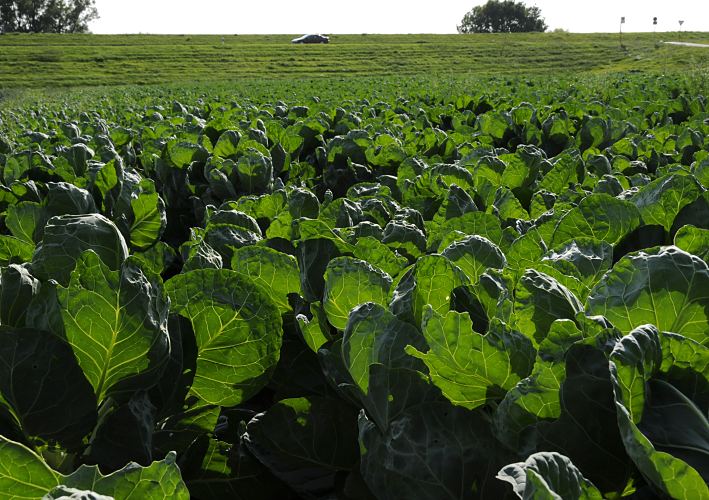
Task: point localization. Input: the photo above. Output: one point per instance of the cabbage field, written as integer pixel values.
(358, 289)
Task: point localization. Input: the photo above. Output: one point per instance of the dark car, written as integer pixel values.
(311, 39)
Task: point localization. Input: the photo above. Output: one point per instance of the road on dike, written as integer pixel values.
(688, 44)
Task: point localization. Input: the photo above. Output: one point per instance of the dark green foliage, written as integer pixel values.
(502, 16)
(356, 296)
(46, 16)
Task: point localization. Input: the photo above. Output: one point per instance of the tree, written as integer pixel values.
(505, 16)
(46, 16)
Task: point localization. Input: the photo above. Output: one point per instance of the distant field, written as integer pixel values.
(36, 61)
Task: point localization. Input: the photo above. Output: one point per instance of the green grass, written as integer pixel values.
(42, 60)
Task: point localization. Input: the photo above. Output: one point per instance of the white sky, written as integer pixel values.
(380, 16)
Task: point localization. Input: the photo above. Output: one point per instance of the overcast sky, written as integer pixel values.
(379, 16)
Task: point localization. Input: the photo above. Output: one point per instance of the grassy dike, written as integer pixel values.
(51, 61)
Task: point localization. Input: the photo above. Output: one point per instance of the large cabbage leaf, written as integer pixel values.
(548, 475)
(23, 474)
(469, 368)
(663, 286)
(661, 387)
(116, 323)
(238, 330)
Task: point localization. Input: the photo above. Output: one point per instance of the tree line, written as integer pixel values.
(74, 16)
(46, 16)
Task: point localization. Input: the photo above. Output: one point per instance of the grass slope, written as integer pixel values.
(42, 60)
